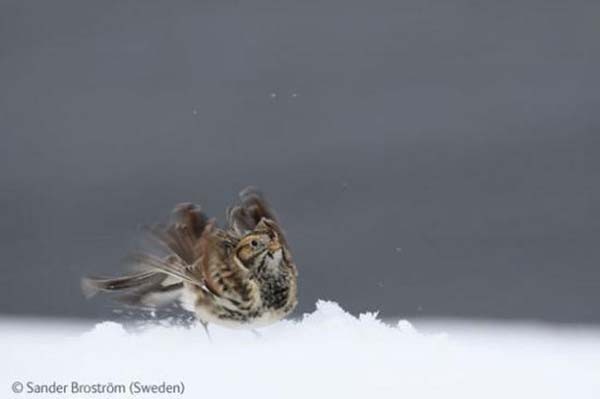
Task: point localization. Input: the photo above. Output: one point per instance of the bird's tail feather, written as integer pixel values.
(153, 297)
(93, 285)
(145, 289)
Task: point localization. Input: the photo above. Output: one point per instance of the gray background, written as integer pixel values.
(427, 158)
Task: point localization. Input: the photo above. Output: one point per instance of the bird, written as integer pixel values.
(238, 276)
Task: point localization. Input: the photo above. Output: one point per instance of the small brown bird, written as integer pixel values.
(241, 276)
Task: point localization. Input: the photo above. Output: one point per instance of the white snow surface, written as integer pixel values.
(327, 354)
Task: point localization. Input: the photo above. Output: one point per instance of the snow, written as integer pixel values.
(328, 353)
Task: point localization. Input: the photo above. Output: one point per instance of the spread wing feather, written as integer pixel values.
(252, 208)
(159, 277)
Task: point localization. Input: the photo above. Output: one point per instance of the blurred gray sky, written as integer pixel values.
(427, 158)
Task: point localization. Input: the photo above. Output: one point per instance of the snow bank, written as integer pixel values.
(329, 353)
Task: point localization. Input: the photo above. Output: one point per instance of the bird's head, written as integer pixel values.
(261, 248)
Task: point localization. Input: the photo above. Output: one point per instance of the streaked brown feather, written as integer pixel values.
(192, 255)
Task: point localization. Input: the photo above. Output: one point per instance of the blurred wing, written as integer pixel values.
(190, 216)
(252, 208)
(168, 260)
(182, 236)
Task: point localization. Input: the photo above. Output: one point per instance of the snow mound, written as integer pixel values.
(329, 353)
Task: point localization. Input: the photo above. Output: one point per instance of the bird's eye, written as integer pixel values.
(254, 243)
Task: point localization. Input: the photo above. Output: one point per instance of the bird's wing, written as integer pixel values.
(181, 237)
(166, 261)
(248, 213)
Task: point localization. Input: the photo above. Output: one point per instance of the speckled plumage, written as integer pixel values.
(240, 276)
